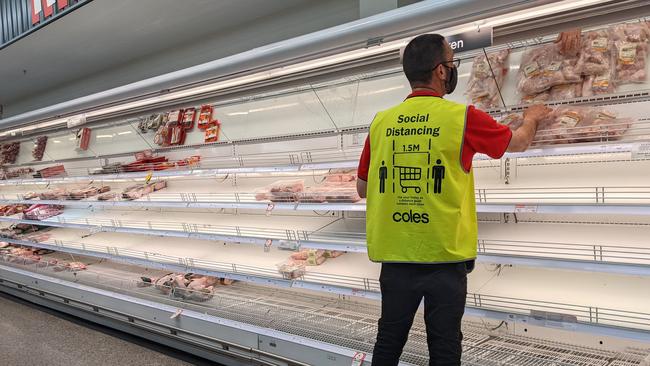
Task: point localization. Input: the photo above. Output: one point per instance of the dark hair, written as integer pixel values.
(421, 55)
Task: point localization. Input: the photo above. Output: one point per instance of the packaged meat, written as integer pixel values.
(565, 91)
(281, 191)
(107, 196)
(144, 154)
(486, 78)
(312, 195)
(340, 177)
(10, 152)
(212, 132)
(595, 55)
(75, 266)
(176, 135)
(291, 269)
(631, 62)
(630, 52)
(189, 116)
(543, 67)
(154, 121)
(42, 212)
(15, 173)
(341, 194)
(174, 117)
(82, 139)
(54, 194)
(581, 124)
(79, 194)
(39, 148)
(205, 117)
(333, 253)
(227, 281)
(159, 185)
(50, 172)
(537, 98)
(598, 84)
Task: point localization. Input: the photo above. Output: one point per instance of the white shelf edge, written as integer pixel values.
(576, 149)
(543, 208)
(622, 268)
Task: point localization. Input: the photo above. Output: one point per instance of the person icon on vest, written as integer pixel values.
(438, 174)
(425, 252)
(383, 175)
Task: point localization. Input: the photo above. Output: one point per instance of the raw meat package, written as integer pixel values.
(291, 269)
(39, 148)
(598, 84)
(281, 191)
(42, 212)
(205, 117)
(312, 195)
(189, 116)
(79, 194)
(82, 139)
(544, 67)
(15, 173)
(595, 55)
(9, 210)
(52, 171)
(144, 154)
(565, 91)
(212, 133)
(631, 52)
(10, 152)
(174, 117)
(176, 135)
(581, 124)
(107, 196)
(54, 194)
(341, 194)
(140, 190)
(339, 176)
(483, 86)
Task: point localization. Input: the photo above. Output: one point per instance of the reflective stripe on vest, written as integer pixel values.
(421, 206)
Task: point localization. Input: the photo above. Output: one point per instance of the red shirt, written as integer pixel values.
(482, 135)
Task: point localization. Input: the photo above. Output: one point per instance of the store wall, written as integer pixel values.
(268, 29)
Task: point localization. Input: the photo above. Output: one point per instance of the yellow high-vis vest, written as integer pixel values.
(421, 206)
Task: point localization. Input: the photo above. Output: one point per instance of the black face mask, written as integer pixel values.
(452, 79)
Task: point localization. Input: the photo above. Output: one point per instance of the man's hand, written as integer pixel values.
(569, 42)
(523, 136)
(536, 112)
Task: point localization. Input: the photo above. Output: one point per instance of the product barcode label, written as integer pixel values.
(641, 151)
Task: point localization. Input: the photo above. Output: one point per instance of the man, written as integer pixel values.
(422, 225)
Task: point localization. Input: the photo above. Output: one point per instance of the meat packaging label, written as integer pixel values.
(599, 44)
(627, 53)
(554, 66)
(601, 81)
(531, 69)
(569, 120)
(482, 69)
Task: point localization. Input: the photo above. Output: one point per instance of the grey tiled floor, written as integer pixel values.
(29, 335)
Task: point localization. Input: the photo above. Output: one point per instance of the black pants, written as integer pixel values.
(444, 289)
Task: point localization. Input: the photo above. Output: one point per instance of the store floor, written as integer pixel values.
(36, 336)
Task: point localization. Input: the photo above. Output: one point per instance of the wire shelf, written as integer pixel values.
(351, 324)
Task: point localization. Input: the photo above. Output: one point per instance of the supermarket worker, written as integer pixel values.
(416, 172)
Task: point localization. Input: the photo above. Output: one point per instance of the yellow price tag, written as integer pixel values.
(148, 178)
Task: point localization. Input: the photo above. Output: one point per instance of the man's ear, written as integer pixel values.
(439, 72)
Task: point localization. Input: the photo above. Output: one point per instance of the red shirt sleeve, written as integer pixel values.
(364, 161)
(483, 135)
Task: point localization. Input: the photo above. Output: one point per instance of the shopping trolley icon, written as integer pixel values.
(409, 175)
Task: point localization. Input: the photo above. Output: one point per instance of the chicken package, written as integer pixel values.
(486, 78)
(333, 253)
(281, 191)
(544, 67)
(10, 152)
(598, 84)
(558, 127)
(536, 98)
(565, 91)
(601, 125)
(75, 266)
(595, 55)
(631, 52)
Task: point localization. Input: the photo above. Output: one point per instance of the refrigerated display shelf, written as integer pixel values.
(638, 323)
(599, 256)
(580, 200)
(293, 161)
(347, 323)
